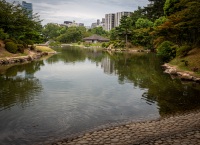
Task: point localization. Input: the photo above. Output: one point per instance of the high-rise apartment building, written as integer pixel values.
(113, 20)
(28, 7)
(118, 17)
(109, 21)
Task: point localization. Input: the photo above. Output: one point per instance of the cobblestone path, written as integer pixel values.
(175, 130)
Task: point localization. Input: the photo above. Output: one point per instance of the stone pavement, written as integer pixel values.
(175, 130)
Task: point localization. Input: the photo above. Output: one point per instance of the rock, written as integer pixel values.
(171, 71)
(186, 76)
(115, 140)
(196, 80)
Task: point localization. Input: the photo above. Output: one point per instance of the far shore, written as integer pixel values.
(29, 55)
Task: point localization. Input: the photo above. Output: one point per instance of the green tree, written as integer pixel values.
(3, 35)
(51, 31)
(183, 26)
(124, 29)
(160, 21)
(169, 7)
(15, 21)
(113, 34)
(99, 31)
(154, 10)
(73, 34)
(143, 23)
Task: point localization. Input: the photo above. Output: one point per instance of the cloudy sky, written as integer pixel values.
(82, 11)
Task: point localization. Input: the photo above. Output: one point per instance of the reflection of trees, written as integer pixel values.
(145, 72)
(75, 54)
(18, 89)
(28, 68)
(68, 55)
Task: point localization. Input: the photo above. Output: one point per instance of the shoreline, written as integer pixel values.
(22, 59)
(173, 129)
(181, 74)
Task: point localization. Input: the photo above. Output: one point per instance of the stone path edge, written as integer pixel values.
(123, 124)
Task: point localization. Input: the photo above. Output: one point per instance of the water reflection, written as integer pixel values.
(18, 84)
(144, 71)
(79, 89)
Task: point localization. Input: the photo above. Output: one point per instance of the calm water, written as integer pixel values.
(76, 90)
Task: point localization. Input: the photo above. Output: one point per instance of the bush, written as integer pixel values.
(79, 43)
(183, 50)
(11, 47)
(7, 40)
(20, 42)
(20, 48)
(54, 44)
(32, 47)
(3, 35)
(167, 51)
(29, 42)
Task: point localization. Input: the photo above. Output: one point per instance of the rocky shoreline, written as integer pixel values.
(22, 59)
(183, 75)
(183, 129)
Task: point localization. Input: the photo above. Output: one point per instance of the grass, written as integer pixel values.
(193, 59)
(4, 53)
(44, 49)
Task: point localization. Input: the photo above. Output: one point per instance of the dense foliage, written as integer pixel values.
(11, 47)
(64, 34)
(175, 21)
(16, 25)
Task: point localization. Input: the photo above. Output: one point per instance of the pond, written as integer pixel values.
(80, 89)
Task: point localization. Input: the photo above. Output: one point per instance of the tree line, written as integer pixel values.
(64, 34)
(172, 27)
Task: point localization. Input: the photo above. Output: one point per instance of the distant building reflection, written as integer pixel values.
(108, 66)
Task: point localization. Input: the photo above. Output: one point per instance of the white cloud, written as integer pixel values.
(82, 11)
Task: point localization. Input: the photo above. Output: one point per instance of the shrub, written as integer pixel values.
(183, 50)
(32, 47)
(54, 44)
(20, 41)
(11, 47)
(7, 40)
(3, 35)
(167, 51)
(20, 48)
(79, 42)
(29, 42)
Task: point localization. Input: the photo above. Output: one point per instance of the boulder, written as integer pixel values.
(186, 76)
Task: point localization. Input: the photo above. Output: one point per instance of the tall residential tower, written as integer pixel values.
(28, 7)
(109, 21)
(118, 17)
(113, 20)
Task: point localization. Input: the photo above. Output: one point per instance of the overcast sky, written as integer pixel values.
(82, 11)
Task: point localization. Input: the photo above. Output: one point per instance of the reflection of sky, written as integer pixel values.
(74, 97)
(85, 88)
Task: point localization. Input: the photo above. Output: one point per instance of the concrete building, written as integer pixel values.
(113, 20)
(73, 24)
(67, 22)
(109, 21)
(98, 22)
(81, 24)
(93, 25)
(28, 7)
(119, 15)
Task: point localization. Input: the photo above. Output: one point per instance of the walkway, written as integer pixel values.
(176, 130)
